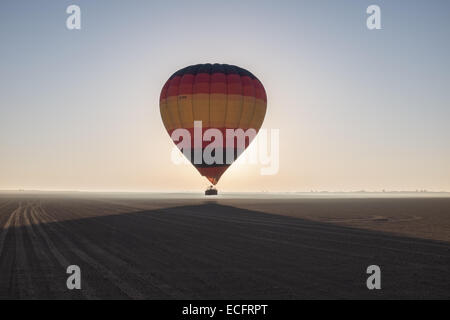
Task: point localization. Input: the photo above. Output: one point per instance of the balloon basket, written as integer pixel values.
(211, 191)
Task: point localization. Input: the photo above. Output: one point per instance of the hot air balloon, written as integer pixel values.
(222, 97)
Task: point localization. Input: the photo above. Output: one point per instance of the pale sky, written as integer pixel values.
(356, 108)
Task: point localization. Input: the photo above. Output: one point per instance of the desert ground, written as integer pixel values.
(225, 247)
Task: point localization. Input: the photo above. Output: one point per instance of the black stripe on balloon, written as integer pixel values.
(234, 151)
(213, 68)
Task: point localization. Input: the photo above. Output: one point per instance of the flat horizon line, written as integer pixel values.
(227, 192)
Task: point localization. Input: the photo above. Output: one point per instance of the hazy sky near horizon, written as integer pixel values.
(357, 109)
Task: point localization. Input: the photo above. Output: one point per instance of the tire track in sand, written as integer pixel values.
(7, 257)
(120, 257)
(22, 269)
(106, 272)
(7, 227)
(47, 252)
(4, 211)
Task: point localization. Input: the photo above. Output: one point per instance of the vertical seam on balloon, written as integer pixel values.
(192, 96)
(209, 96)
(164, 106)
(242, 102)
(265, 104)
(179, 93)
(178, 105)
(167, 107)
(226, 100)
(254, 104)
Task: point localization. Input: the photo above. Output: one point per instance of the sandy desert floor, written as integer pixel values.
(177, 247)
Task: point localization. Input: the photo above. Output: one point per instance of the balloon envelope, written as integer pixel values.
(222, 97)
